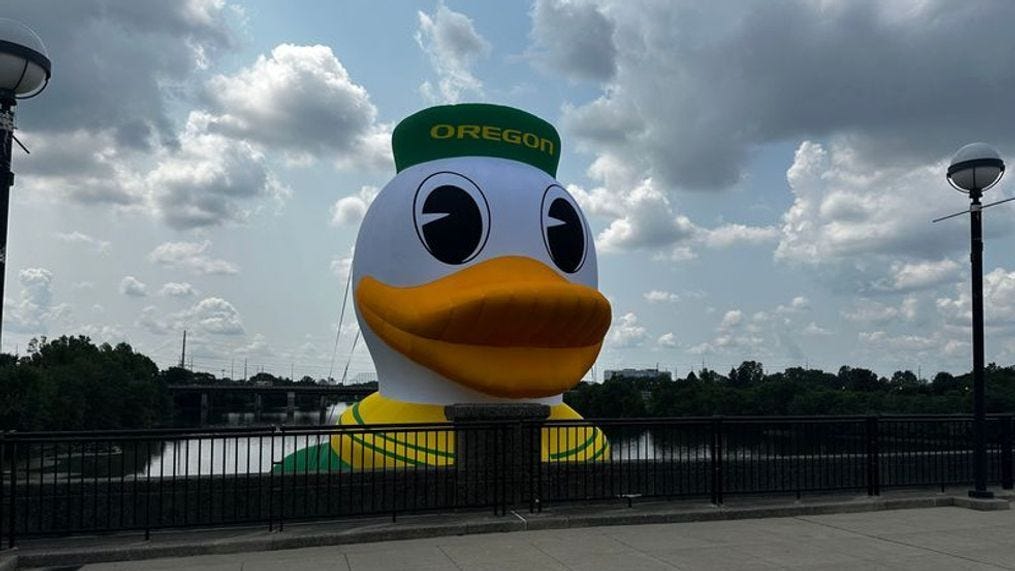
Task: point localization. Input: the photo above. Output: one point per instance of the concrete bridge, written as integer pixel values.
(343, 392)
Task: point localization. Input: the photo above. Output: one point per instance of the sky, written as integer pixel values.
(760, 176)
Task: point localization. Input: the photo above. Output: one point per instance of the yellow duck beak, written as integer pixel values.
(508, 327)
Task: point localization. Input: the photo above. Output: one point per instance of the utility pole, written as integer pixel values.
(244, 369)
(183, 352)
(232, 369)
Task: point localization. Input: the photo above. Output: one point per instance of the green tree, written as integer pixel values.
(70, 384)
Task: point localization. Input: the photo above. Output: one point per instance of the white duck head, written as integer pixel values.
(475, 271)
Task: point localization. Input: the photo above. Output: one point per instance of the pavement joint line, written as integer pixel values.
(548, 554)
(439, 548)
(903, 543)
(645, 553)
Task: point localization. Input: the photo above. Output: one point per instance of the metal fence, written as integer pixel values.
(61, 483)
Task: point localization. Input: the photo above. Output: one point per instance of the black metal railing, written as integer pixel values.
(61, 483)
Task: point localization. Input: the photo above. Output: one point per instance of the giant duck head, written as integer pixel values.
(474, 271)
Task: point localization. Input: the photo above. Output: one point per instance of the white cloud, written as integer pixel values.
(574, 38)
(349, 210)
(668, 340)
(93, 43)
(869, 311)
(814, 330)
(648, 222)
(659, 296)
(762, 334)
(915, 343)
(729, 235)
(86, 167)
(846, 208)
(731, 319)
(91, 147)
(100, 246)
(998, 301)
(209, 179)
(865, 228)
(923, 275)
(177, 289)
(152, 321)
(797, 304)
(258, 346)
(626, 332)
(214, 315)
(644, 218)
(341, 266)
(133, 287)
(101, 333)
(696, 86)
(191, 256)
(205, 179)
(453, 45)
(300, 100)
(35, 310)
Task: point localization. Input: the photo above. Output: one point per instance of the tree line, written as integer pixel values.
(70, 383)
(749, 390)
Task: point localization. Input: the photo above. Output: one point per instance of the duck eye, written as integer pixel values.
(563, 230)
(452, 217)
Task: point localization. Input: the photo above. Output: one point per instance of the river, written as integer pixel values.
(239, 454)
(242, 455)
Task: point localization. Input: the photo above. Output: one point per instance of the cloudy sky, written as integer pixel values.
(760, 176)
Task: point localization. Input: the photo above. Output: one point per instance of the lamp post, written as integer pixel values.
(974, 169)
(24, 72)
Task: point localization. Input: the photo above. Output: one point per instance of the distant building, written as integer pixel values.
(637, 374)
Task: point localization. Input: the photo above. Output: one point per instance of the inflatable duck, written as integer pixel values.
(475, 281)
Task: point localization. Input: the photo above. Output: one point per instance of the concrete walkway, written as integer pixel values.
(933, 538)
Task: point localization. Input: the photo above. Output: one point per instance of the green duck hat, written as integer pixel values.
(476, 130)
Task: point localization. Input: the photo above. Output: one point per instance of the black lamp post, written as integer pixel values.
(974, 169)
(24, 72)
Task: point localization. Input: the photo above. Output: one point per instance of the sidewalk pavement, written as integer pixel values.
(925, 539)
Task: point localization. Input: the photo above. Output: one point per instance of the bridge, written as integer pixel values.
(343, 392)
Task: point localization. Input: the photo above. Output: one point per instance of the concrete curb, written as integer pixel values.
(294, 538)
(983, 504)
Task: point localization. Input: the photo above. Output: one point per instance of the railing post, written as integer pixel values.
(1006, 451)
(271, 478)
(873, 456)
(282, 476)
(204, 409)
(717, 454)
(13, 519)
(491, 442)
(3, 460)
